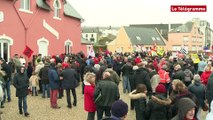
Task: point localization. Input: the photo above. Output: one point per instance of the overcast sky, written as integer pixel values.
(125, 12)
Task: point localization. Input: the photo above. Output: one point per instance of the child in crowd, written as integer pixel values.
(139, 95)
(89, 104)
(34, 83)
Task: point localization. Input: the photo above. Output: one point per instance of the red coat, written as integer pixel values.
(205, 76)
(89, 104)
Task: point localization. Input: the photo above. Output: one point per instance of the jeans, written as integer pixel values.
(101, 110)
(53, 97)
(6, 90)
(69, 97)
(24, 101)
(126, 84)
(45, 87)
(91, 116)
(34, 92)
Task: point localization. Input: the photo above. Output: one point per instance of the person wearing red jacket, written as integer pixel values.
(89, 104)
(164, 76)
(205, 75)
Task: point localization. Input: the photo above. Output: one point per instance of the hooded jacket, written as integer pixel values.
(198, 90)
(205, 76)
(184, 105)
(21, 83)
(158, 108)
(209, 91)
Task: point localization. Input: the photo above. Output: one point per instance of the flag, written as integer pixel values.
(28, 52)
(91, 51)
(183, 51)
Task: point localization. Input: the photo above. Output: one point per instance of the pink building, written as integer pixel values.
(46, 26)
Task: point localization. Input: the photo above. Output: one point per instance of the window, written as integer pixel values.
(25, 5)
(153, 38)
(158, 38)
(91, 35)
(138, 38)
(185, 39)
(86, 35)
(193, 48)
(57, 7)
(68, 47)
(176, 48)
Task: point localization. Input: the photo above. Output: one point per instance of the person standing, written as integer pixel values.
(21, 83)
(109, 94)
(7, 78)
(89, 104)
(69, 82)
(54, 85)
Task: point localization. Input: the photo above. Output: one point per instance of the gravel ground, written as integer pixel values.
(39, 108)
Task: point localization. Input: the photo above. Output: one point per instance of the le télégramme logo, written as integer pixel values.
(188, 8)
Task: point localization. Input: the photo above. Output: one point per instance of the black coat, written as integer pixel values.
(209, 91)
(155, 110)
(198, 90)
(179, 75)
(142, 77)
(7, 69)
(21, 83)
(70, 78)
(109, 91)
(43, 74)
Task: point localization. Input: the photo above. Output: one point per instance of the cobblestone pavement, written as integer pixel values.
(39, 108)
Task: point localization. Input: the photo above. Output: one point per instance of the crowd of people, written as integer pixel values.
(159, 88)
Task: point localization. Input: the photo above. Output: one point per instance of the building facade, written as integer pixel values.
(186, 36)
(48, 27)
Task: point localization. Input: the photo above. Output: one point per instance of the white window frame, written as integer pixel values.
(68, 46)
(57, 8)
(43, 40)
(9, 40)
(25, 9)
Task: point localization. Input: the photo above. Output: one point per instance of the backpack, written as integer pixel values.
(188, 75)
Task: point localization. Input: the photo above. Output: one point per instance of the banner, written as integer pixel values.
(195, 58)
(28, 52)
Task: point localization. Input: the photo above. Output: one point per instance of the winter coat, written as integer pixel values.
(188, 75)
(113, 75)
(125, 69)
(21, 83)
(158, 109)
(209, 90)
(209, 116)
(89, 104)
(179, 74)
(198, 90)
(109, 91)
(184, 105)
(142, 77)
(205, 76)
(201, 66)
(53, 78)
(70, 79)
(155, 80)
(43, 74)
(5, 67)
(38, 67)
(186, 94)
(34, 80)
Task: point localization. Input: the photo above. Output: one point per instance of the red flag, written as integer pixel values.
(27, 51)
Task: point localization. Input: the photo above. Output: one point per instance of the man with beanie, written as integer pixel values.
(119, 111)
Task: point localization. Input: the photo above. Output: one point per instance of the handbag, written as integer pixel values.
(98, 97)
(205, 106)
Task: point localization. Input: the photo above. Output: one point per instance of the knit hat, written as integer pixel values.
(138, 60)
(184, 105)
(119, 108)
(160, 89)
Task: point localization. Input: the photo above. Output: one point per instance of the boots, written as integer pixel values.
(20, 111)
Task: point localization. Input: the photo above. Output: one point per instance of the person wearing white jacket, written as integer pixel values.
(209, 116)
